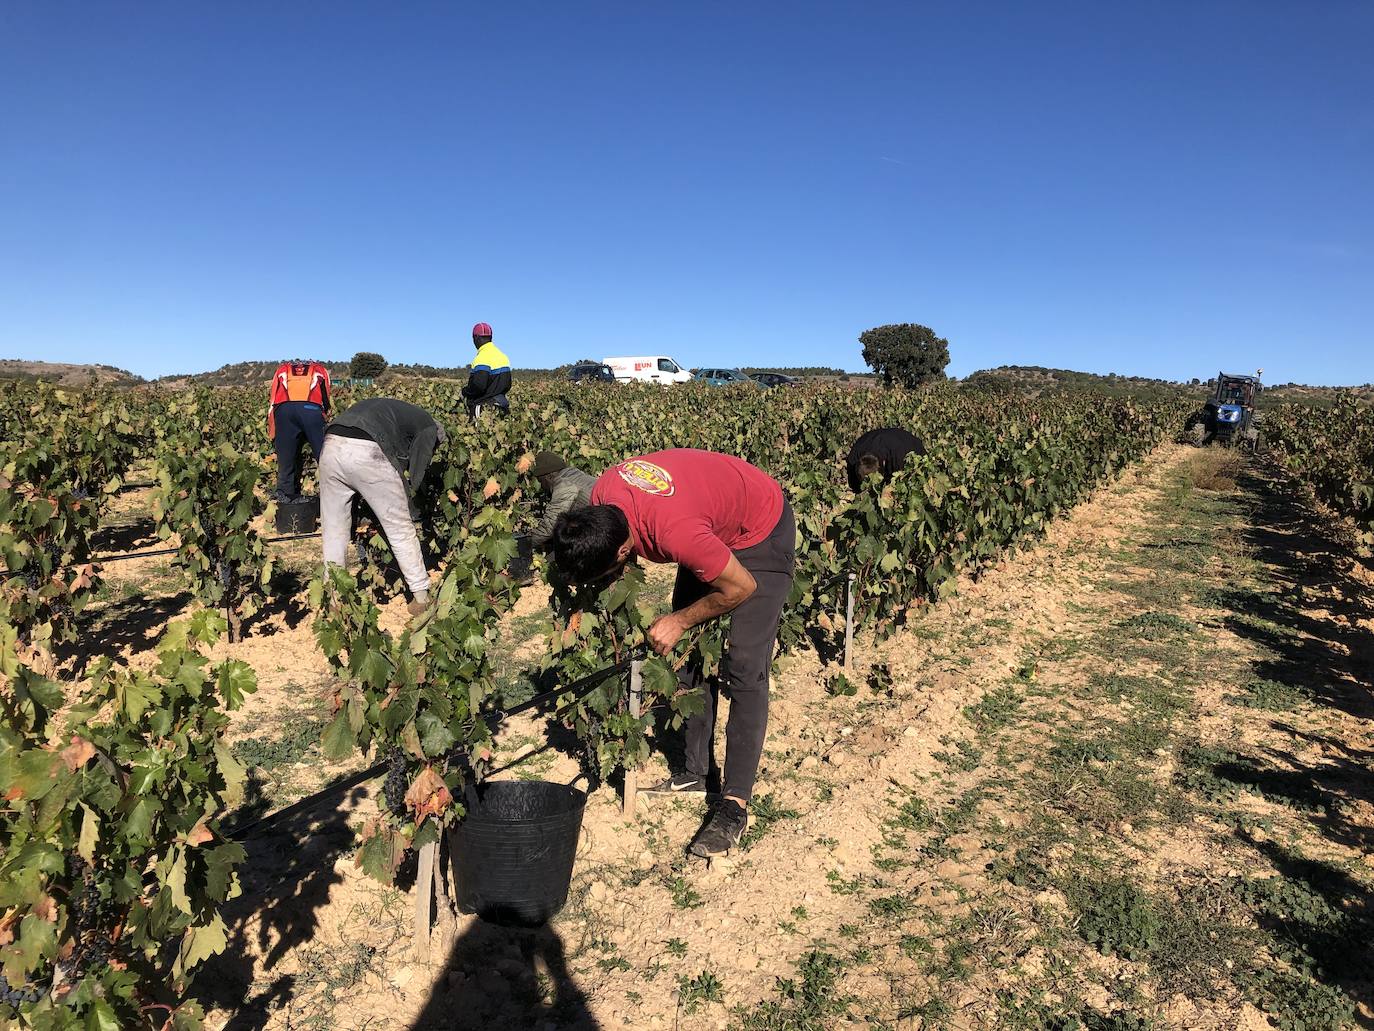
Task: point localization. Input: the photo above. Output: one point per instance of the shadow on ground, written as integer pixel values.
(1310, 637)
(123, 624)
(287, 599)
(507, 979)
(286, 880)
(1310, 630)
(118, 538)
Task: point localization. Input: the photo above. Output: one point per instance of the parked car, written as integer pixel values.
(591, 372)
(647, 368)
(774, 379)
(722, 377)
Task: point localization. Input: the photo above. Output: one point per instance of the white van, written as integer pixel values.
(648, 368)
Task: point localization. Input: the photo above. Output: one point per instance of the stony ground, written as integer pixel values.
(1122, 781)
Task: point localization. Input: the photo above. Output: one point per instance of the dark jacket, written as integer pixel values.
(406, 433)
(890, 445)
(490, 378)
(572, 488)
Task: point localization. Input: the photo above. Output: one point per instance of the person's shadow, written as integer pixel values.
(507, 979)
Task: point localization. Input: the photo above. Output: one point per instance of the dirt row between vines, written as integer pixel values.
(923, 854)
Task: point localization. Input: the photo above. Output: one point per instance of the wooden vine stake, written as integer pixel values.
(632, 772)
(849, 621)
(424, 898)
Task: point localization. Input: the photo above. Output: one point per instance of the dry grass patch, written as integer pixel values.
(1216, 469)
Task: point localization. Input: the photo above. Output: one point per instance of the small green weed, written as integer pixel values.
(913, 815)
(810, 1001)
(838, 685)
(1296, 1002)
(1271, 696)
(996, 709)
(1115, 916)
(879, 679)
(693, 991)
(684, 895)
(765, 812)
(1156, 625)
(840, 886)
(890, 906)
(268, 753)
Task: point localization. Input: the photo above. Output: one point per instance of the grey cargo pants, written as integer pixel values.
(749, 658)
(352, 466)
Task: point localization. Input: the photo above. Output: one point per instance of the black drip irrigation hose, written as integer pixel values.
(492, 719)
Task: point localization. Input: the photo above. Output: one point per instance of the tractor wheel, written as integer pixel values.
(1196, 434)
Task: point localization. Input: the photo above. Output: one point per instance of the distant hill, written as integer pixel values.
(240, 374)
(65, 375)
(1316, 397)
(252, 374)
(1037, 380)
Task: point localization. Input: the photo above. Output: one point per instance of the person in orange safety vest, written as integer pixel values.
(300, 399)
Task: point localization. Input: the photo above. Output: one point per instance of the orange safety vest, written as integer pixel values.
(300, 381)
(297, 381)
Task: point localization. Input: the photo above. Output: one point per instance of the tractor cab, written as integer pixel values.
(1236, 390)
(1229, 414)
(1232, 406)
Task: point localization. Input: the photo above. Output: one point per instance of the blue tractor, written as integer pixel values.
(1228, 417)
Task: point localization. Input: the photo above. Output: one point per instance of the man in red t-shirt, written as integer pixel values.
(732, 534)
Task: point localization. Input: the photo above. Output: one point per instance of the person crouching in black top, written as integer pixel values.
(882, 451)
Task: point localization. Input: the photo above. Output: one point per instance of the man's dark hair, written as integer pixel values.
(479, 339)
(586, 540)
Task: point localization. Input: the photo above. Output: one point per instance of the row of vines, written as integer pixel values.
(1332, 451)
(114, 779)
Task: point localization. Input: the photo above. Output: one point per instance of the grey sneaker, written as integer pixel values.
(679, 784)
(721, 831)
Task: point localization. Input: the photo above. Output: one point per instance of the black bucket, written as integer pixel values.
(522, 564)
(513, 852)
(301, 516)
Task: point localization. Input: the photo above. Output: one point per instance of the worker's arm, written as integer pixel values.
(563, 498)
(728, 591)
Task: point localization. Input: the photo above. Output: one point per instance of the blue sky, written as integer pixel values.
(1158, 189)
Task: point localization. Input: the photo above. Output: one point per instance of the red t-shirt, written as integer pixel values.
(692, 507)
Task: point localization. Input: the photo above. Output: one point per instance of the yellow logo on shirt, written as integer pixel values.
(650, 478)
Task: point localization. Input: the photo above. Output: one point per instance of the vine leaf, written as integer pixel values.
(78, 753)
(428, 795)
(200, 943)
(337, 741)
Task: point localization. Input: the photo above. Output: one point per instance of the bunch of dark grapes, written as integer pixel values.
(588, 761)
(16, 997)
(225, 574)
(90, 918)
(396, 783)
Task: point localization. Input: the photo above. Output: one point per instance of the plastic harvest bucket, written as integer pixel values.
(513, 851)
(298, 516)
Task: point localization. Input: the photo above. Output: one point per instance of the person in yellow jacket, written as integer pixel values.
(490, 377)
